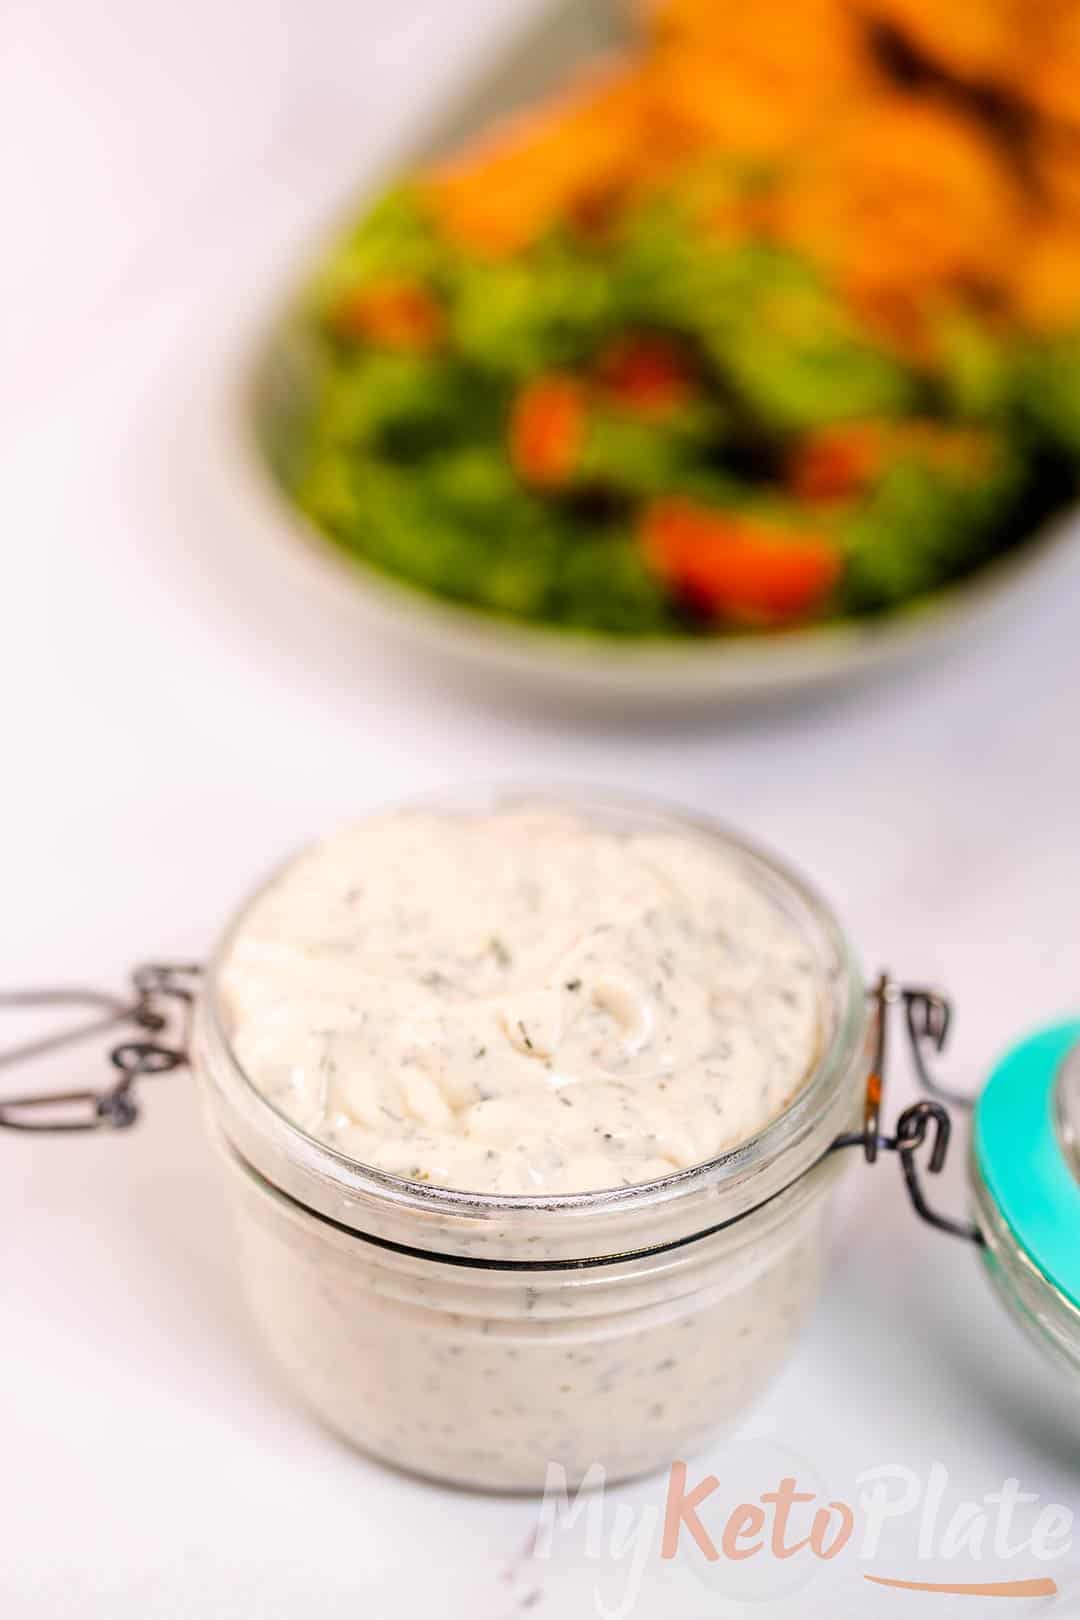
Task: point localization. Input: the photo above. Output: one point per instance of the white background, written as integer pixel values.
(182, 702)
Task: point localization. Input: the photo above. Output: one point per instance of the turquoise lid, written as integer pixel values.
(1021, 1153)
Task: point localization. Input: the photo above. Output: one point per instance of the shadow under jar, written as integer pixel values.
(476, 1338)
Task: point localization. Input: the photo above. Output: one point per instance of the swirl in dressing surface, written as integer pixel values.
(523, 1002)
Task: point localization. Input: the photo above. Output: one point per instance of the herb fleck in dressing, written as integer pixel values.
(522, 1002)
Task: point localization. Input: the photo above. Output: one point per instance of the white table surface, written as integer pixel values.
(183, 701)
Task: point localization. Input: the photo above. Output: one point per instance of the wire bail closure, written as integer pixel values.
(927, 1021)
(159, 1006)
(164, 992)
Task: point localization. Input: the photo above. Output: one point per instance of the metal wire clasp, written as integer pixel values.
(927, 1021)
(158, 1005)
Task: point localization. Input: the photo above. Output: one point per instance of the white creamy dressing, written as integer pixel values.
(523, 1002)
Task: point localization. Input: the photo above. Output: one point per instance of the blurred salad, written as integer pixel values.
(774, 320)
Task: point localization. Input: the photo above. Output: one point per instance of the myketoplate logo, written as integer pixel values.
(762, 1525)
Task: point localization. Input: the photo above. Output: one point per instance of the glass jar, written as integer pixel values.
(479, 1338)
(474, 1338)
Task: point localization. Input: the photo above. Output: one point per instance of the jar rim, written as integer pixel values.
(265, 1136)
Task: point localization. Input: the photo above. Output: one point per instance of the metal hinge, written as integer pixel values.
(158, 1006)
(927, 1020)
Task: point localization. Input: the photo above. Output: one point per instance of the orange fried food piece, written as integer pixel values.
(1045, 67)
(734, 107)
(971, 39)
(904, 200)
(798, 37)
(726, 565)
(646, 375)
(753, 80)
(393, 315)
(1031, 48)
(1055, 156)
(547, 430)
(1044, 273)
(838, 463)
(1046, 280)
(568, 158)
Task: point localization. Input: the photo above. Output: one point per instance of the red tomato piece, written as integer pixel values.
(647, 375)
(724, 565)
(547, 430)
(836, 463)
(394, 315)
